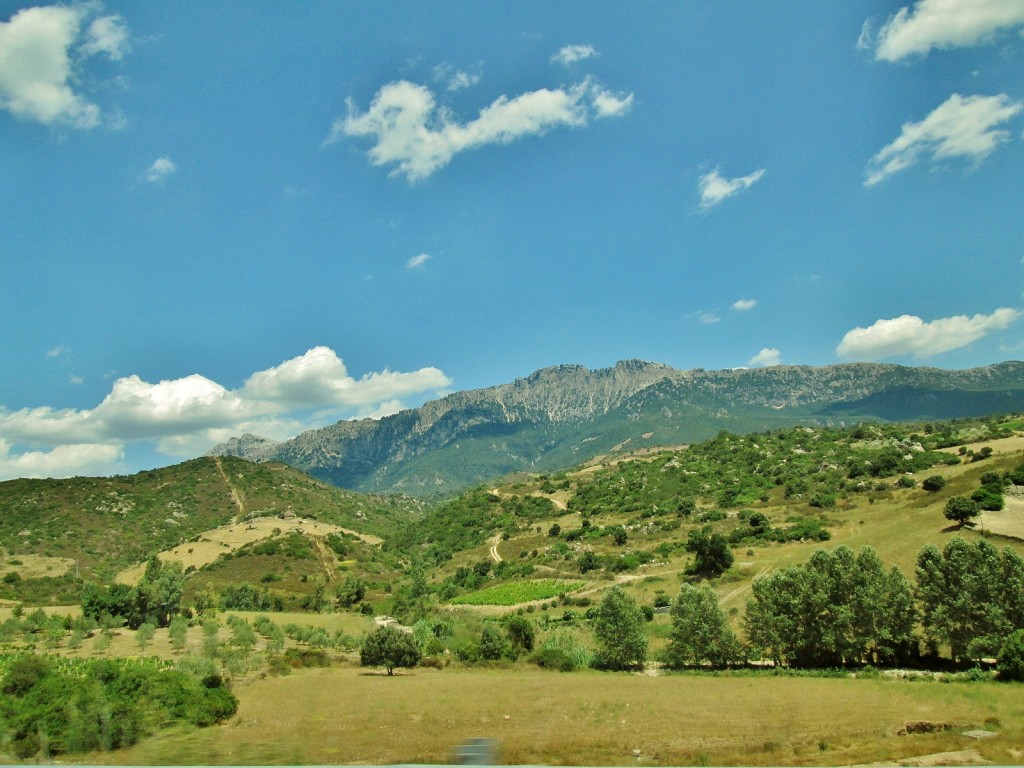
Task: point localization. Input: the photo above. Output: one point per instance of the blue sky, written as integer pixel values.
(234, 216)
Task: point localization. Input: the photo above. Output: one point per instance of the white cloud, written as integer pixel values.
(319, 377)
(910, 335)
(943, 24)
(161, 168)
(608, 104)
(418, 137)
(59, 351)
(62, 461)
(714, 188)
(742, 305)
(766, 358)
(109, 35)
(570, 54)
(37, 69)
(188, 415)
(456, 80)
(417, 261)
(961, 127)
(709, 318)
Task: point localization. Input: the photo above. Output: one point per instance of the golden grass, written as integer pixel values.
(212, 544)
(347, 715)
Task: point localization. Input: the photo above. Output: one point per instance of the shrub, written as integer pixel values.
(1011, 657)
(934, 483)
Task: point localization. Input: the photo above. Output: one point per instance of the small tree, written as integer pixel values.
(934, 484)
(619, 631)
(1011, 657)
(713, 557)
(389, 647)
(960, 509)
(700, 632)
(493, 645)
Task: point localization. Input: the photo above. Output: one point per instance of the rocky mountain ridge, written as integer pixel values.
(567, 414)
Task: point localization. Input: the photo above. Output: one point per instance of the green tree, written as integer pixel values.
(700, 631)
(144, 635)
(619, 631)
(960, 509)
(389, 647)
(177, 630)
(934, 483)
(1011, 657)
(351, 592)
(521, 633)
(711, 550)
(493, 645)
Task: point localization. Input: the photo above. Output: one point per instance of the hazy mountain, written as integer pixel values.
(567, 414)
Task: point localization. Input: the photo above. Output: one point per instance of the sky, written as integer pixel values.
(228, 217)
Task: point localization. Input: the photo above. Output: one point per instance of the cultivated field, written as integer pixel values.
(347, 715)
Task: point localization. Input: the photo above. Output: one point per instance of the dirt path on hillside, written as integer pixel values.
(235, 495)
(326, 557)
(494, 548)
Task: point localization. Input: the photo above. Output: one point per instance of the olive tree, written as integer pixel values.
(389, 647)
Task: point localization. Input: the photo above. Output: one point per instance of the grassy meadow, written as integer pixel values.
(348, 715)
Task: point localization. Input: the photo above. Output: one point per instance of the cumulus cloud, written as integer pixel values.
(962, 127)
(62, 461)
(417, 261)
(187, 415)
(319, 378)
(38, 62)
(418, 137)
(161, 168)
(910, 335)
(570, 54)
(714, 188)
(742, 305)
(766, 358)
(942, 24)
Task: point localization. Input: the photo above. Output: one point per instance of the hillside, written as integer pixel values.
(93, 528)
(568, 414)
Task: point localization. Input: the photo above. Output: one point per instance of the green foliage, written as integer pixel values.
(389, 647)
(493, 644)
(562, 650)
(960, 509)
(1011, 657)
(246, 597)
(155, 600)
(619, 632)
(835, 609)
(56, 707)
(700, 631)
(933, 483)
(516, 592)
(972, 597)
(712, 554)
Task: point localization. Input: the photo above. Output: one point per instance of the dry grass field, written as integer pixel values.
(348, 715)
(228, 538)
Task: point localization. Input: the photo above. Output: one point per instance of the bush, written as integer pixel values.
(1011, 657)
(934, 484)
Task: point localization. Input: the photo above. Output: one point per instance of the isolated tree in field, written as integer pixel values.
(960, 509)
(619, 631)
(934, 483)
(700, 631)
(711, 550)
(389, 647)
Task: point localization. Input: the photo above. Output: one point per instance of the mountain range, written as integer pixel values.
(567, 414)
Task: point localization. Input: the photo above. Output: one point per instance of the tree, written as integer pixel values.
(521, 633)
(351, 592)
(1011, 657)
(713, 556)
(934, 484)
(493, 644)
(389, 647)
(960, 509)
(700, 632)
(619, 631)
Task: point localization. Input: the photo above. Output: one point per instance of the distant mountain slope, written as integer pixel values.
(568, 414)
